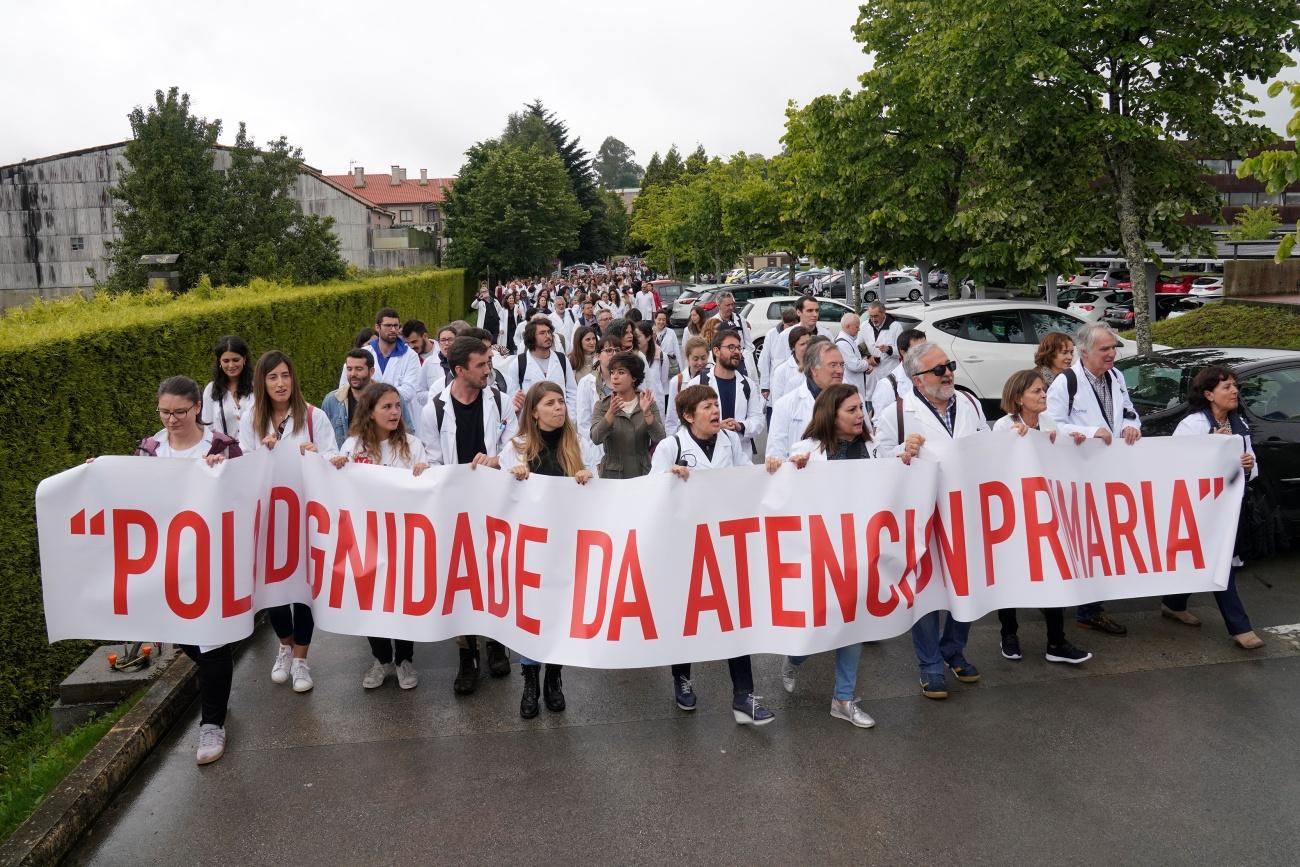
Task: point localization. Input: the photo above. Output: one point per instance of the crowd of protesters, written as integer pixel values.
(584, 378)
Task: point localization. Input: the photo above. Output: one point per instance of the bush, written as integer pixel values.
(1227, 324)
(78, 378)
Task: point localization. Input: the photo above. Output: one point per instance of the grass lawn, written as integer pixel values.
(1222, 324)
(36, 761)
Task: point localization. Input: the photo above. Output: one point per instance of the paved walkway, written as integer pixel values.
(1170, 747)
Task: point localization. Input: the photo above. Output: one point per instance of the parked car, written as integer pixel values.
(681, 308)
(763, 314)
(743, 292)
(1067, 295)
(1121, 316)
(892, 287)
(1207, 287)
(1092, 306)
(990, 340)
(1108, 279)
(1165, 284)
(1187, 304)
(1269, 383)
(803, 281)
(669, 291)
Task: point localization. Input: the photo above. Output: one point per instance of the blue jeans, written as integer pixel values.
(523, 660)
(846, 670)
(934, 647)
(1234, 613)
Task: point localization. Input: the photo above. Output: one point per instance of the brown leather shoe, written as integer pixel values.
(1248, 641)
(1186, 618)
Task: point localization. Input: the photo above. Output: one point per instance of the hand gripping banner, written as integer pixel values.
(633, 573)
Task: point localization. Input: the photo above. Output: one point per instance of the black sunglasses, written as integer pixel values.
(939, 369)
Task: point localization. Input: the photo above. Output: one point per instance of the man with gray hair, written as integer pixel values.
(881, 338)
(857, 369)
(921, 425)
(823, 367)
(1090, 398)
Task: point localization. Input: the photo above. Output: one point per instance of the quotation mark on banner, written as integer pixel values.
(1206, 484)
(97, 523)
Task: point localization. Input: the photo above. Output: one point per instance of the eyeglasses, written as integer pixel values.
(176, 414)
(940, 369)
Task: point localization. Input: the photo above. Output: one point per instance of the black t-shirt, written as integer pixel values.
(352, 406)
(707, 446)
(469, 429)
(726, 396)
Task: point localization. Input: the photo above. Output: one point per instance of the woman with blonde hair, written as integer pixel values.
(378, 436)
(547, 444)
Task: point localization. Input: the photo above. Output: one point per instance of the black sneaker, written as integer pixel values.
(684, 693)
(1010, 647)
(1067, 653)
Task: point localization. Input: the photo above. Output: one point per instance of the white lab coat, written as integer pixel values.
(790, 417)
(402, 371)
(440, 444)
(749, 411)
(318, 431)
(671, 347)
(590, 390)
(785, 379)
(481, 306)
(224, 415)
(886, 361)
(554, 368)
(1196, 424)
(1086, 416)
(917, 418)
(856, 369)
(730, 451)
(776, 349)
(883, 397)
(816, 452)
(645, 302)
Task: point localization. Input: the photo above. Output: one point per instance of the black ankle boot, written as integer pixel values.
(467, 677)
(528, 704)
(498, 663)
(553, 691)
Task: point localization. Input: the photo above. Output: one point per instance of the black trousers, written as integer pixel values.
(394, 650)
(1055, 618)
(216, 670)
(293, 621)
(742, 674)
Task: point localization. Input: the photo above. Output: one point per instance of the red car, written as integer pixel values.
(1165, 285)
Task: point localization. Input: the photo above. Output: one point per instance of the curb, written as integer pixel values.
(72, 807)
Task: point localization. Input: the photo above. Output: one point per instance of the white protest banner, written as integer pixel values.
(642, 572)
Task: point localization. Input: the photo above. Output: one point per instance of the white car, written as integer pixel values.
(1092, 305)
(990, 340)
(894, 287)
(763, 314)
(1207, 287)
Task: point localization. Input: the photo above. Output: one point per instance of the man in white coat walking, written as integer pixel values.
(825, 367)
(857, 370)
(940, 415)
(1091, 398)
(540, 360)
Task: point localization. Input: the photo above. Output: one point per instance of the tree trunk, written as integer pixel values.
(1133, 244)
(792, 274)
(923, 275)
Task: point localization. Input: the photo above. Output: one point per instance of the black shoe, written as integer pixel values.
(1067, 653)
(467, 677)
(498, 662)
(528, 704)
(1011, 647)
(553, 689)
(1103, 623)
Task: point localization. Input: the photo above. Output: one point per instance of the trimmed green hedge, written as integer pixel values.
(78, 377)
(1225, 323)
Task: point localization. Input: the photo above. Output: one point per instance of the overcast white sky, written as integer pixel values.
(416, 84)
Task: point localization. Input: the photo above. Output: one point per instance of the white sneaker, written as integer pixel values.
(212, 743)
(406, 675)
(301, 676)
(849, 710)
(377, 674)
(788, 673)
(283, 660)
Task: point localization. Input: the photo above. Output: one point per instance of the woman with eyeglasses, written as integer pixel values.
(703, 444)
(185, 435)
(378, 436)
(547, 445)
(282, 418)
(230, 393)
(1024, 400)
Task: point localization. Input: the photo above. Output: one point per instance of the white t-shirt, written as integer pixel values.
(388, 456)
(198, 450)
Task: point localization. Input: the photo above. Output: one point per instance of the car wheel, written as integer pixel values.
(914, 295)
(868, 296)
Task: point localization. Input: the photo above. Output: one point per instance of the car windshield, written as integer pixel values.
(1085, 298)
(1154, 383)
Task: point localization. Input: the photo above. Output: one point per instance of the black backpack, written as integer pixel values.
(744, 383)
(439, 410)
(523, 366)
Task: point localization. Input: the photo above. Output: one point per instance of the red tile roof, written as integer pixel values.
(380, 190)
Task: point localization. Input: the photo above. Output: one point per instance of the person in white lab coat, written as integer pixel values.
(703, 444)
(738, 395)
(645, 302)
(824, 366)
(667, 340)
(940, 414)
(880, 334)
(697, 359)
(807, 310)
(282, 418)
(378, 436)
(789, 373)
(540, 359)
(395, 362)
(893, 385)
(1090, 397)
(857, 368)
(491, 315)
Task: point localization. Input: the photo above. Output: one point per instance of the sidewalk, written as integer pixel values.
(1171, 746)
